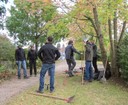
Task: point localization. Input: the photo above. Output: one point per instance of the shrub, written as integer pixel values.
(7, 49)
(123, 57)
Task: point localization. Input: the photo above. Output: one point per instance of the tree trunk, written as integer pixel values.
(122, 32)
(115, 69)
(111, 43)
(100, 37)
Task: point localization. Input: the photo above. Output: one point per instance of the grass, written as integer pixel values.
(93, 93)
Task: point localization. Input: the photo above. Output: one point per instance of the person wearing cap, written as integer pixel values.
(69, 55)
(88, 73)
(21, 61)
(32, 57)
(48, 54)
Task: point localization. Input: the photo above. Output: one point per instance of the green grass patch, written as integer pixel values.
(93, 93)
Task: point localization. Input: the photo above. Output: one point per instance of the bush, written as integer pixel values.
(7, 49)
(123, 57)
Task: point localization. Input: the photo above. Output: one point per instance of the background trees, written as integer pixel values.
(32, 22)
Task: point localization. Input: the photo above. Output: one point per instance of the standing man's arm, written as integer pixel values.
(36, 55)
(16, 58)
(24, 55)
(28, 55)
(57, 55)
(40, 54)
(74, 50)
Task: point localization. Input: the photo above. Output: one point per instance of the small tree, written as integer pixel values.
(123, 57)
(7, 49)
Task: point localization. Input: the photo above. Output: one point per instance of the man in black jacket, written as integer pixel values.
(48, 54)
(32, 57)
(69, 55)
(21, 61)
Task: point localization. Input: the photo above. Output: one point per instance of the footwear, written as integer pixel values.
(51, 91)
(26, 77)
(19, 77)
(90, 80)
(38, 91)
(71, 75)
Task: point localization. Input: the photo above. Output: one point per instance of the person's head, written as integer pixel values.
(32, 47)
(19, 46)
(70, 42)
(50, 39)
(87, 42)
(93, 41)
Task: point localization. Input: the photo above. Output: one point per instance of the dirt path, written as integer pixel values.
(14, 86)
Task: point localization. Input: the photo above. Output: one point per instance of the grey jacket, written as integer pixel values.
(69, 51)
(89, 52)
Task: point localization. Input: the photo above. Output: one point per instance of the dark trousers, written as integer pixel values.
(95, 64)
(71, 65)
(32, 65)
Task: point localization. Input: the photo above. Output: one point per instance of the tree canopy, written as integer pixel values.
(34, 21)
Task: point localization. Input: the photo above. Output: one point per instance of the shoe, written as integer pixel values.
(38, 91)
(51, 91)
(71, 75)
(26, 77)
(90, 80)
(86, 81)
(19, 77)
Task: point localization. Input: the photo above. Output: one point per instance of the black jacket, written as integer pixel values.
(32, 55)
(20, 54)
(48, 53)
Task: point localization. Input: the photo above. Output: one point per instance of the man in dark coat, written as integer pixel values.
(32, 57)
(21, 61)
(48, 54)
(69, 55)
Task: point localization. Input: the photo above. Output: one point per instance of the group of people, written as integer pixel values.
(90, 59)
(21, 61)
(48, 54)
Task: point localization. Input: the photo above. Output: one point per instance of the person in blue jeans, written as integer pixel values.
(21, 61)
(88, 73)
(48, 54)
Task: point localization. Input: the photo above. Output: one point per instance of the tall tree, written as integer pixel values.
(34, 21)
(105, 18)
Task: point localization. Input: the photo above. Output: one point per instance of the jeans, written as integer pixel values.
(88, 74)
(23, 64)
(71, 65)
(51, 69)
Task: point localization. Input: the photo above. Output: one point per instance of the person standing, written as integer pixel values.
(32, 57)
(21, 61)
(88, 73)
(69, 55)
(94, 61)
(48, 54)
